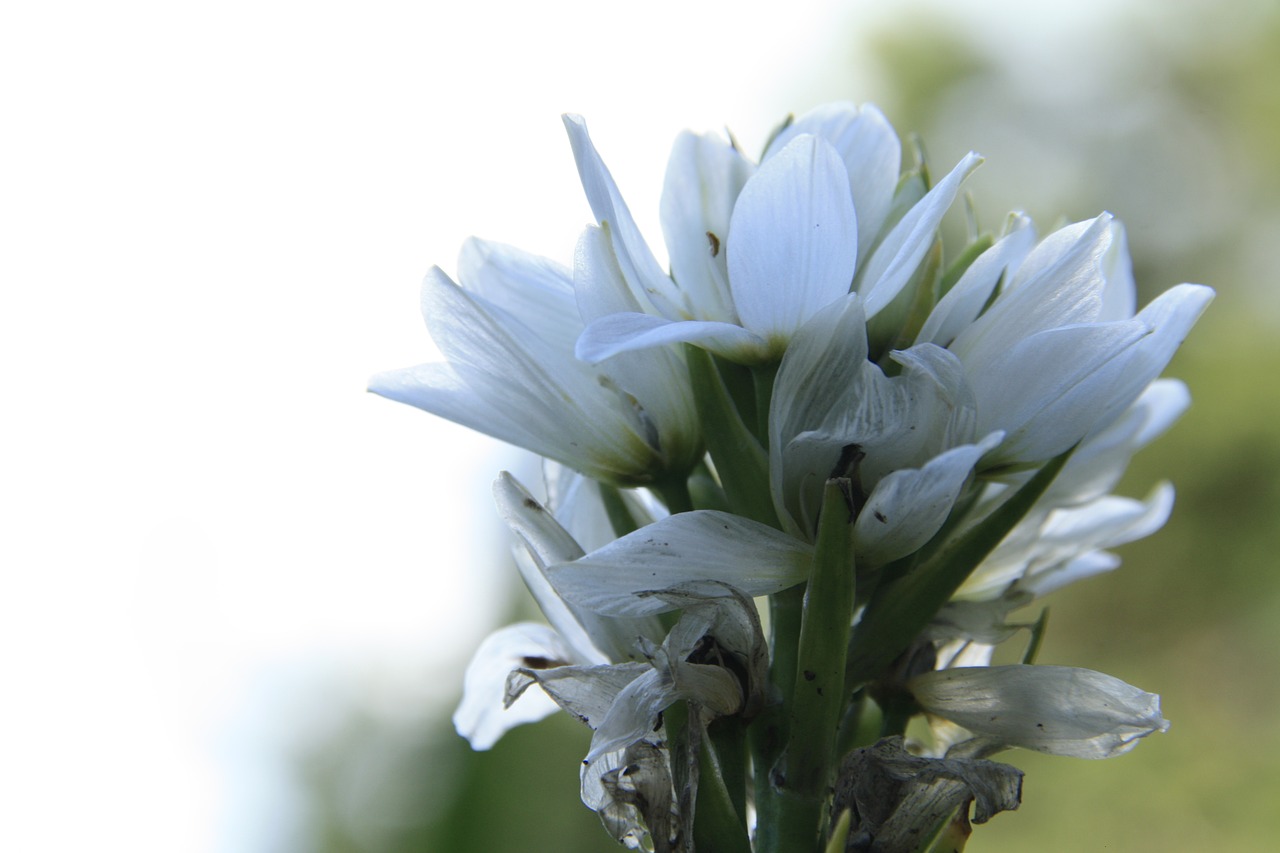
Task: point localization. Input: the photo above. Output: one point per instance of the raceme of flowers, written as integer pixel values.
(817, 409)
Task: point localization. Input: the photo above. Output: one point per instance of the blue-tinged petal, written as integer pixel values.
(1054, 709)
(703, 545)
(704, 177)
(647, 281)
(824, 377)
(1052, 389)
(872, 155)
(965, 301)
(482, 717)
(910, 505)
(895, 260)
(626, 332)
(1060, 283)
(655, 376)
(586, 692)
(1120, 296)
(536, 291)
(596, 429)
(792, 240)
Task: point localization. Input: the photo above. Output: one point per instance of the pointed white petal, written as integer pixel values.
(481, 717)
(792, 240)
(1053, 388)
(1053, 709)
(620, 333)
(962, 304)
(910, 505)
(647, 281)
(871, 153)
(703, 545)
(1060, 283)
(595, 639)
(586, 692)
(1120, 296)
(536, 291)
(896, 258)
(704, 177)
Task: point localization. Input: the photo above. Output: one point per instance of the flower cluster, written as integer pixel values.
(816, 406)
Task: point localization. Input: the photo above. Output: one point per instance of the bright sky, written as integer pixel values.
(215, 218)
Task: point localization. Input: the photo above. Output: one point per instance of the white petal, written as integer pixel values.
(481, 717)
(1053, 709)
(643, 275)
(620, 333)
(1059, 284)
(896, 258)
(704, 177)
(1052, 389)
(703, 545)
(793, 239)
(586, 692)
(595, 639)
(910, 505)
(962, 304)
(536, 291)
(871, 153)
(656, 378)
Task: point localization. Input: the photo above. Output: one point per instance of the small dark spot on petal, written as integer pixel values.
(714, 241)
(880, 517)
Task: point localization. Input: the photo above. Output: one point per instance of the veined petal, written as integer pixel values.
(648, 283)
(703, 545)
(910, 505)
(586, 692)
(595, 639)
(1053, 388)
(894, 261)
(965, 301)
(1060, 283)
(704, 177)
(626, 332)
(657, 377)
(536, 291)
(792, 240)
(872, 155)
(482, 717)
(592, 427)
(1054, 709)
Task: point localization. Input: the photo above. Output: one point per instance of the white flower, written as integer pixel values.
(1060, 353)
(1054, 709)
(510, 372)
(756, 252)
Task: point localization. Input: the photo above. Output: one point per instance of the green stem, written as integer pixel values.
(818, 697)
(718, 822)
(768, 731)
(763, 377)
(729, 746)
(675, 495)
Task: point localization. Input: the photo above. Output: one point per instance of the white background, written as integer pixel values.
(213, 221)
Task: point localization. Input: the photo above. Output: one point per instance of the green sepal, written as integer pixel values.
(740, 460)
(962, 263)
(900, 609)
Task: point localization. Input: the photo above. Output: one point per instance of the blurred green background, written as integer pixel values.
(1169, 116)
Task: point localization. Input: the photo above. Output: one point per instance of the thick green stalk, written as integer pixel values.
(818, 696)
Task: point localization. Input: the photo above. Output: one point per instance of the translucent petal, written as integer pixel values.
(625, 332)
(481, 717)
(703, 545)
(1053, 709)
